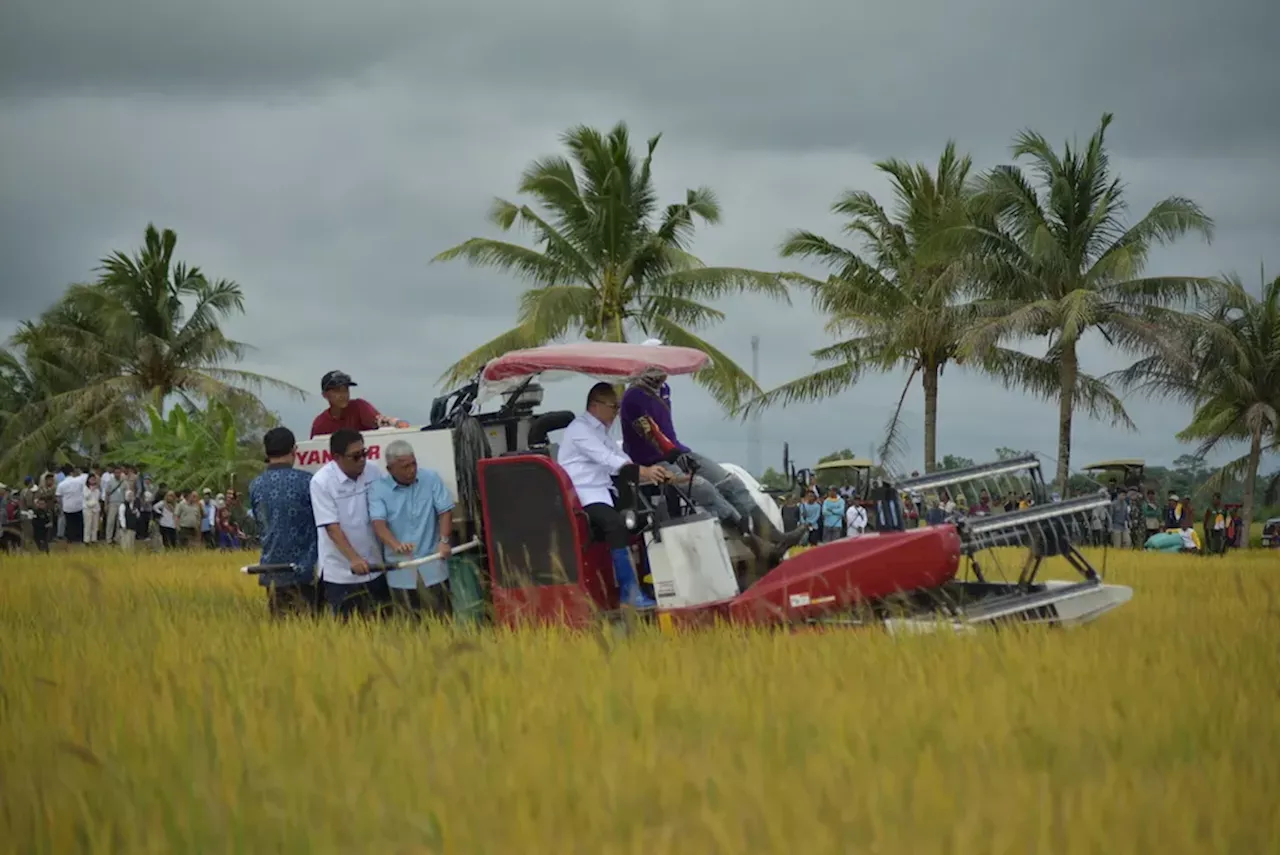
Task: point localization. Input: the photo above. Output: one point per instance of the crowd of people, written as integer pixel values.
(121, 506)
(1132, 519)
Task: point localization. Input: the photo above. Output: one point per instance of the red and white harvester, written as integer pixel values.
(543, 563)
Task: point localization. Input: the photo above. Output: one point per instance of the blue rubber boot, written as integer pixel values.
(628, 588)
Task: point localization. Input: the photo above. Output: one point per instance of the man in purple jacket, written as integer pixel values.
(649, 439)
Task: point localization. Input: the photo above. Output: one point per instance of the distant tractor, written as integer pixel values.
(1129, 473)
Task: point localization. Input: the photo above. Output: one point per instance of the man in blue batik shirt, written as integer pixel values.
(412, 515)
(280, 500)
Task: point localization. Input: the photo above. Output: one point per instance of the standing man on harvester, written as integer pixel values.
(649, 438)
(346, 412)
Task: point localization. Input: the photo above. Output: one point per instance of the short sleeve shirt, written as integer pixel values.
(335, 498)
(359, 415)
(412, 513)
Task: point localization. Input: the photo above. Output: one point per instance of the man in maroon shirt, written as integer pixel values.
(345, 411)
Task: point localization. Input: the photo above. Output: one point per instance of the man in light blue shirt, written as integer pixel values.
(412, 515)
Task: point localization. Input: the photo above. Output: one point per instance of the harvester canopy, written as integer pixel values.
(608, 361)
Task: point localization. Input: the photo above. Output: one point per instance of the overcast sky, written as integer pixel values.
(321, 152)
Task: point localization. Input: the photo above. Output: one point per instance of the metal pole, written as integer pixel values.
(754, 465)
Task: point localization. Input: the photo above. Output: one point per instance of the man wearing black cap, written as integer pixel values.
(281, 502)
(346, 412)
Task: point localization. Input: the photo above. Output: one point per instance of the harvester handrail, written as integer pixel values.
(969, 473)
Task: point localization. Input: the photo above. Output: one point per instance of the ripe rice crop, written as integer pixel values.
(147, 705)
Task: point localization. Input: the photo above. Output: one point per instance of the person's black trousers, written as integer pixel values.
(608, 524)
(293, 598)
(365, 598)
(75, 526)
(435, 600)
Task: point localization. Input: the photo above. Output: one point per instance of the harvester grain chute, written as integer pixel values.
(544, 563)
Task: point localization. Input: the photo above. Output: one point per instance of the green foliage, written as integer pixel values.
(610, 260)
(772, 479)
(900, 300)
(955, 461)
(147, 330)
(193, 449)
(1225, 362)
(1055, 260)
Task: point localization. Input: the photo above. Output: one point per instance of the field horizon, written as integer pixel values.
(148, 704)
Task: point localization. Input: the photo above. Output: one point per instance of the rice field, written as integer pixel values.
(147, 705)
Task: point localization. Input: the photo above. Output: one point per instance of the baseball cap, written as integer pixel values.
(336, 380)
(278, 442)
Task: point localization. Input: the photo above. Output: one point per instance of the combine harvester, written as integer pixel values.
(543, 563)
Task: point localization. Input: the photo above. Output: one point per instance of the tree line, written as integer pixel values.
(956, 270)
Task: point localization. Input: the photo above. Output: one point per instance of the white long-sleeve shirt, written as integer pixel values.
(590, 457)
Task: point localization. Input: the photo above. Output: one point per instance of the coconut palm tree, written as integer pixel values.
(1058, 261)
(147, 329)
(608, 260)
(899, 303)
(1226, 364)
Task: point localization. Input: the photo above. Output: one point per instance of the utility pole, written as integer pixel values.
(753, 425)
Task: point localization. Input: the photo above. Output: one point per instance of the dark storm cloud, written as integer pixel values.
(321, 153)
(1187, 77)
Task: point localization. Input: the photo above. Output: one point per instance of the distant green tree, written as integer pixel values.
(610, 259)
(193, 449)
(772, 479)
(954, 461)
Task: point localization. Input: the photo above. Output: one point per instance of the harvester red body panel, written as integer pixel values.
(546, 566)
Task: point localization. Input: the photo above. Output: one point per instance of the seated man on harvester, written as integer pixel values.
(649, 438)
(590, 457)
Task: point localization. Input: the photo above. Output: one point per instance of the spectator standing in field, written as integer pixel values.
(811, 517)
(1215, 527)
(70, 494)
(1151, 515)
(345, 412)
(42, 521)
(114, 488)
(347, 545)
(26, 507)
(281, 502)
(92, 508)
(833, 508)
(166, 511)
(146, 513)
(188, 515)
(855, 520)
(126, 520)
(412, 514)
(1120, 538)
(208, 515)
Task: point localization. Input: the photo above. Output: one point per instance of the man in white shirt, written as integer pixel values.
(70, 493)
(855, 520)
(591, 457)
(347, 545)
